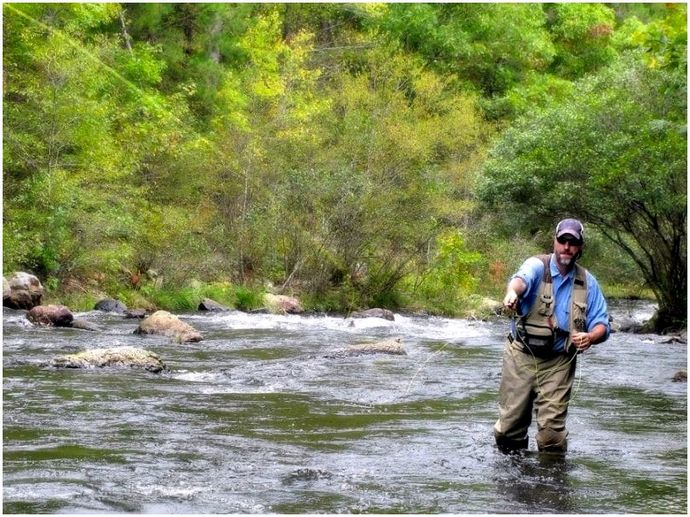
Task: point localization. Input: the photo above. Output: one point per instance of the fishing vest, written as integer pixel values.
(537, 329)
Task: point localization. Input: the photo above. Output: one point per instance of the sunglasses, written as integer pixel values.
(569, 239)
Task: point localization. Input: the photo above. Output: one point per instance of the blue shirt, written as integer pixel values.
(532, 272)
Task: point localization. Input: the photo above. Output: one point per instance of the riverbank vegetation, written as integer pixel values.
(408, 156)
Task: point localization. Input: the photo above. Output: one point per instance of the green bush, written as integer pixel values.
(247, 299)
(450, 276)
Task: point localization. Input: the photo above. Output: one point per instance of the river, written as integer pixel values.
(263, 416)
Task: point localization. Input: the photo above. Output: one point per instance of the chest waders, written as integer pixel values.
(538, 329)
(534, 376)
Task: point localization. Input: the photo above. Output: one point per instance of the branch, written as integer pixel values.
(347, 47)
(125, 34)
(289, 278)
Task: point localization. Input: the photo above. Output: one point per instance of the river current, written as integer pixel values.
(264, 416)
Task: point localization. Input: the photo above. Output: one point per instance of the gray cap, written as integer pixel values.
(572, 227)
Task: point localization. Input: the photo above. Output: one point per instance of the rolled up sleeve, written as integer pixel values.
(596, 306)
(531, 272)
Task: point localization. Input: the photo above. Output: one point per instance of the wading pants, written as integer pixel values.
(527, 382)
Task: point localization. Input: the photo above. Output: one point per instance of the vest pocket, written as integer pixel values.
(538, 339)
(545, 302)
(579, 317)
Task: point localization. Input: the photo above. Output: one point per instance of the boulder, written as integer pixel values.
(136, 314)
(389, 346)
(212, 306)
(626, 324)
(375, 313)
(681, 376)
(122, 357)
(84, 325)
(22, 291)
(165, 324)
(307, 474)
(111, 305)
(281, 304)
(50, 316)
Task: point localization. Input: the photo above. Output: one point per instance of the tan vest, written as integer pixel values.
(537, 327)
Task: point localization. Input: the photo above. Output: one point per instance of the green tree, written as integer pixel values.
(582, 36)
(492, 46)
(198, 42)
(451, 274)
(85, 131)
(400, 143)
(613, 154)
(303, 144)
(54, 151)
(263, 134)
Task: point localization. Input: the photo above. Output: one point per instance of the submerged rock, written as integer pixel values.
(165, 324)
(626, 324)
(307, 474)
(120, 357)
(58, 316)
(375, 313)
(50, 316)
(388, 346)
(84, 325)
(681, 338)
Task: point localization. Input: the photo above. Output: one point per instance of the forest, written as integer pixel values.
(407, 156)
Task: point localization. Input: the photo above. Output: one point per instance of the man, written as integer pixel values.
(560, 312)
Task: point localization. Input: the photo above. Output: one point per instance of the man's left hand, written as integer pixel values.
(582, 340)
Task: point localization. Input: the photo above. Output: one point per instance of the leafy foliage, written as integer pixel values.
(332, 149)
(582, 37)
(450, 276)
(614, 154)
(491, 45)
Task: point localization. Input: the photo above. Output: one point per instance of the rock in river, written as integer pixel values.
(111, 305)
(21, 291)
(681, 376)
(212, 306)
(84, 325)
(165, 324)
(281, 304)
(50, 316)
(388, 346)
(375, 313)
(122, 357)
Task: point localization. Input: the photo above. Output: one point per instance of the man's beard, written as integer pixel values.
(565, 260)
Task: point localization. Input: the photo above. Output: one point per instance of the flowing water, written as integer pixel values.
(263, 416)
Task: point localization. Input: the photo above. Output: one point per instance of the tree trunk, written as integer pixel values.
(671, 316)
(661, 257)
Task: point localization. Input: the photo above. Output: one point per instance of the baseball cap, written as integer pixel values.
(572, 227)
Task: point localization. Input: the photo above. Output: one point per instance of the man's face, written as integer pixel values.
(566, 247)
